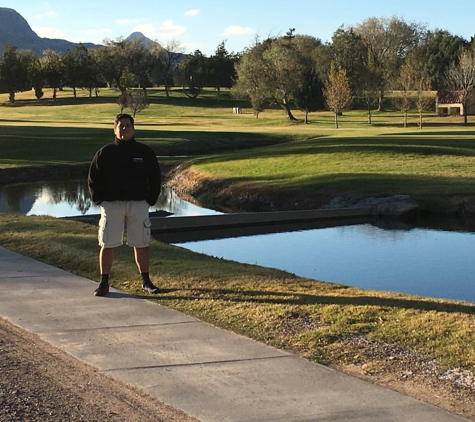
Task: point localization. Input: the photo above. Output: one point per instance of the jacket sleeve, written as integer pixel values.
(154, 179)
(95, 179)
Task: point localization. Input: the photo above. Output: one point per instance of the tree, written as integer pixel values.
(166, 60)
(138, 101)
(79, 68)
(221, 71)
(273, 71)
(37, 77)
(460, 77)
(284, 69)
(337, 92)
(351, 53)
(309, 96)
(250, 83)
(424, 97)
(403, 101)
(193, 73)
(53, 70)
(140, 63)
(15, 71)
(388, 41)
(123, 100)
(420, 83)
(89, 70)
(439, 50)
(322, 57)
(113, 60)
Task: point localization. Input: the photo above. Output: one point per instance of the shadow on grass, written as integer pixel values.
(177, 98)
(63, 143)
(60, 101)
(293, 298)
(398, 124)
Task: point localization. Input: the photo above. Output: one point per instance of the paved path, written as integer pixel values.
(209, 373)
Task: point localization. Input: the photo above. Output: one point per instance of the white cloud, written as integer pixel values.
(45, 15)
(166, 29)
(192, 12)
(49, 33)
(238, 30)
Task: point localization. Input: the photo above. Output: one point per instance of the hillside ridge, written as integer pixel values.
(15, 30)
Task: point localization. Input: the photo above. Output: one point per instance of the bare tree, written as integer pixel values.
(136, 100)
(337, 91)
(166, 60)
(460, 77)
(123, 100)
(388, 42)
(404, 101)
(425, 98)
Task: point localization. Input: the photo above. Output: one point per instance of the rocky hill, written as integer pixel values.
(14, 29)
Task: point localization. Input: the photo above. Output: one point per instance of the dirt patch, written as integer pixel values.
(39, 382)
(412, 374)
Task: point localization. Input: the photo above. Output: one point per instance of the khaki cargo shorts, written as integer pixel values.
(129, 216)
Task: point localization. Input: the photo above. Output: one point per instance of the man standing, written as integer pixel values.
(124, 180)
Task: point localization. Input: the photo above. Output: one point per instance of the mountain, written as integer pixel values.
(141, 37)
(147, 43)
(14, 29)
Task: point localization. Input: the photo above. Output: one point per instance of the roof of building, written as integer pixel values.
(450, 97)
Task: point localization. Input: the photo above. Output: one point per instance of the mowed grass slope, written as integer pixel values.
(379, 159)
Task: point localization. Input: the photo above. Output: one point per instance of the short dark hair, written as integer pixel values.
(121, 116)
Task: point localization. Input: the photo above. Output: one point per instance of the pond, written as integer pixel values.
(71, 198)
(424, 262)
(420, 261)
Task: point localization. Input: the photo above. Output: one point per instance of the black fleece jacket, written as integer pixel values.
(124, 171)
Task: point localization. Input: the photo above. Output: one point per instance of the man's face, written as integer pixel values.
(124, 130)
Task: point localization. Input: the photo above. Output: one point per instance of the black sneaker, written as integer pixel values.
(102, 289)
(150, 288)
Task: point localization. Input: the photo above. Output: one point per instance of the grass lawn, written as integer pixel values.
(379, 159)
(323, 322)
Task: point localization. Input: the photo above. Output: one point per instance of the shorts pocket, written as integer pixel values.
(147, 230)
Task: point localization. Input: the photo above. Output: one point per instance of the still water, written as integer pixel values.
(425, 262)
(71, 198)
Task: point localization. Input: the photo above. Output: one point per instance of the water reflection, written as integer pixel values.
(432, 263)
(71, 198)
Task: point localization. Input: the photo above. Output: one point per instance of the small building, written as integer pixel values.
(449, 103)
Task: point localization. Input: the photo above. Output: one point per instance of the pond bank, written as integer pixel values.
(228, 196)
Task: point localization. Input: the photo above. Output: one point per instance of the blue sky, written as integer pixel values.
(204, 24)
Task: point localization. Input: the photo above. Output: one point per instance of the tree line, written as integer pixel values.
(121, 63)
(364, 64)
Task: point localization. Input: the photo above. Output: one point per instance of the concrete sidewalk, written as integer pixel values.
(209, 373)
